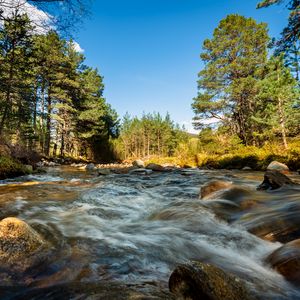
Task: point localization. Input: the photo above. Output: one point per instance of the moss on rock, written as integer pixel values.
(10, 167)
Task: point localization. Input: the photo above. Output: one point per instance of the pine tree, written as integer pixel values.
(97, 121)
(289, 43)
(227, 83)
(15, 51)
(277, 99)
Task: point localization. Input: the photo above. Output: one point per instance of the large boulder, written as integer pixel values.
(18, 241)
(277, 166)
(274, 180)
(138, 163)
(156, 168)
(196, 280)
(213, 186)
(286, 261)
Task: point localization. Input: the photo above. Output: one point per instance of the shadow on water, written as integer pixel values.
(120, 236)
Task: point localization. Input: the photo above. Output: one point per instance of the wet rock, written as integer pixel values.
(138, 163)
(40, 164)
(277, 166)
(18, 241)
(196, 280)
(274, 180)
(156, 168)
(247, 169)
(141, 171)
(88, 290)
(39, 171)
(213, 186)
(278, 224)
(104, 172)
(187, 167)
(286, 261)
(90, 167)
(234, 193)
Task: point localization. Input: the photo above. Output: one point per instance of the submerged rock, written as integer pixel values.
(274, 180)
(141, 171)
(138, 163)
(155, 167)
(278, 224)
(213, 186)
(277, 166)
(197, 280)
(286, 261)
(104, 172)
(18, 241)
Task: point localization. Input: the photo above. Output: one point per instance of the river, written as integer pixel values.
(121, 236)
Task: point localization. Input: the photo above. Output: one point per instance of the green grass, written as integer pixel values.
(236, 157)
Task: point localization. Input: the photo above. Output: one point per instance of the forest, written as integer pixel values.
(248, 103)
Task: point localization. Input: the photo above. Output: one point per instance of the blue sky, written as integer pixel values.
(148, 50)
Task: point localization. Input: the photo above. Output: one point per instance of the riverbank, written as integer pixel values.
(236, 158)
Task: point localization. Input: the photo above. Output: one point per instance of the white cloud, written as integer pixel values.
(39, 18)
(77, 47)
(188, 125)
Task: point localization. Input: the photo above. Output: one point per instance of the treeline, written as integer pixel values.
(150, 135)
(50, 101)
(245, 89)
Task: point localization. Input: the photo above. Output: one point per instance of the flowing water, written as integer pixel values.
(120, 236)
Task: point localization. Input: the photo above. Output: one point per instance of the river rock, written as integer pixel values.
(141, 171)
(197, 280)
(274, 180)
(213, 186)
(281, 223)
(277, 166)
(104, 172)
(90, 167)
(247, 169)
(138, 163)
(286, 261)
(155, 167)
(18, 241)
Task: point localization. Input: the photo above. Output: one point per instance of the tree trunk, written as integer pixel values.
(8, 102)
(42, 136)
(281, 116)
(48, 125)
(282, 122)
